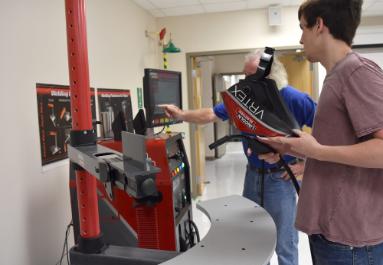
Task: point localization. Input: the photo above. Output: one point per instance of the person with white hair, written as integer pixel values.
(279, 197)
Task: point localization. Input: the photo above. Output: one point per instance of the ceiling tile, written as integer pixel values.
(146, 4)
(173, 3)
(262, 3)
(161, 8)
(216, 1)
(222, 7)
(183, 10)
(295, 2)
(157, 12)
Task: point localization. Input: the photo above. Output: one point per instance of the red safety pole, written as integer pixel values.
(82, 130)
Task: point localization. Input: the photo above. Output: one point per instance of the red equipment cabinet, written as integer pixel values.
(167, 224)
(174, 211)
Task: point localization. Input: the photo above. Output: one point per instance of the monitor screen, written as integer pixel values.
(161, 87)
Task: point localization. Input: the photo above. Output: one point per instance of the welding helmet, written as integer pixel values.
(255, 105)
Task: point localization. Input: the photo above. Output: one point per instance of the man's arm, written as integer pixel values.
(199, 116)
(368, 154)
(365, 154)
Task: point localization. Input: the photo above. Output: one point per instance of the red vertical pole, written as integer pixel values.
(78, 65)
(81, 119)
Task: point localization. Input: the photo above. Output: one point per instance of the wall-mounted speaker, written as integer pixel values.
(275, 15)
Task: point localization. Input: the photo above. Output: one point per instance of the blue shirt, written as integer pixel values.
(299, 104)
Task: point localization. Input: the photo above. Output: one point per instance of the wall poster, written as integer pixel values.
(55, 120)
(115, 110)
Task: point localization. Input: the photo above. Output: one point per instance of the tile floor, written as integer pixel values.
(225, 177)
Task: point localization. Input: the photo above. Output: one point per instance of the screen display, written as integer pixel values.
(161, 87)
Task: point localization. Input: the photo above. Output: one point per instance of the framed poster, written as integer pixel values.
(55, 120)
(115, 111)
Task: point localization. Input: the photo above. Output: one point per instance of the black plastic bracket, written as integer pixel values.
(84, 137)
(265, 63)
(77, 166)
(91, 245)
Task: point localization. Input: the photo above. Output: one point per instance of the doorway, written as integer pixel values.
(216, 71)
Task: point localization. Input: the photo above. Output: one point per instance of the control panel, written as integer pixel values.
(179, 173)
(173, 181)
(160, 121)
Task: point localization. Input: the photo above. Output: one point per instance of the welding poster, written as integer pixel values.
(55, 120)
(115, 111)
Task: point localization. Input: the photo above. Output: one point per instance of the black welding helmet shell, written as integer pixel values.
(256, 106)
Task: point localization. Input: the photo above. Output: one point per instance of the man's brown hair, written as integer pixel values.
(341, 17)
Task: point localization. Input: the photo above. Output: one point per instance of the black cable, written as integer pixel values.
(281, 162)
(65, 251)
(291, 174)
(262, 184)
(187, 237)
(196, 230)
(66, 244)
(297, 189)
(67, 248)
(163, 128)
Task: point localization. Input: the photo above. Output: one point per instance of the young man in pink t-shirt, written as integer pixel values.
(341, 201)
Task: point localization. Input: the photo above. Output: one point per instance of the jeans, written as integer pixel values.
(280, 203)
(330, 253)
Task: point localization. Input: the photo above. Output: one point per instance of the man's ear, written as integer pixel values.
(319, 25)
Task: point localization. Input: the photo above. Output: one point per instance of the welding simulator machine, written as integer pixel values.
(130, 194)
(142, 184)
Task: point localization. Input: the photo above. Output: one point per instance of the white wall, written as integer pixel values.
(35, 204)
(369, 32)
(231, 30)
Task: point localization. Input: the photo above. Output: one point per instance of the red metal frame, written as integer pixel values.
(81, 111)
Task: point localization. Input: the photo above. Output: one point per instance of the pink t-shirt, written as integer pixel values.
(345, 203)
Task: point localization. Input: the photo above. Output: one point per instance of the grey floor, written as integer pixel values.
(225, 177)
